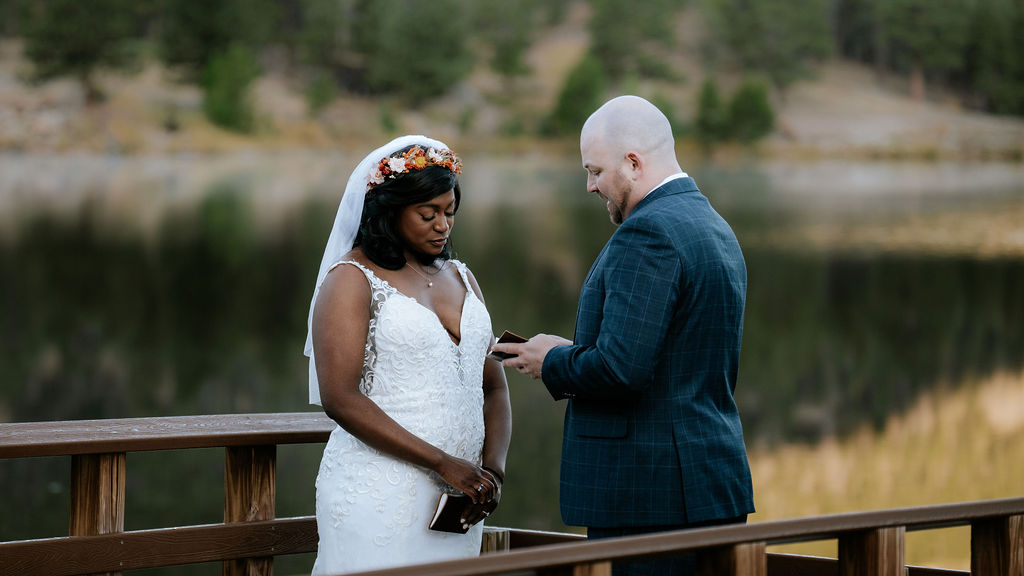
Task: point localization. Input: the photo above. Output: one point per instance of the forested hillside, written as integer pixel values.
(316, 72)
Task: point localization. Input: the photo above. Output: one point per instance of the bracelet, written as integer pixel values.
(500, 477)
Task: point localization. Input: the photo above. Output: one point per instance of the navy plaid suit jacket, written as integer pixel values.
(652, 436)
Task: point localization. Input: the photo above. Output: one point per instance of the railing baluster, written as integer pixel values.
(250, 482)
(878, 552)
(739, 560)
(495, 540)
(997, 546)
(97, 494)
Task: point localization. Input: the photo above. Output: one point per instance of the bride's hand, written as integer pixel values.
(478, 512)
(469, 479)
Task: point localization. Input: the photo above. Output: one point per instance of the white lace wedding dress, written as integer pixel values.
(372, 510)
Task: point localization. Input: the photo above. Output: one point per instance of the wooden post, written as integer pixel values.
(997, 546)
(250, 481)
(739, 560)
(97, 494)
(495, 540)
(878, 552)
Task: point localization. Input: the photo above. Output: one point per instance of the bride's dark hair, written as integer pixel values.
(378, 226)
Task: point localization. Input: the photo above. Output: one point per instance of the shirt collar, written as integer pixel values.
(675, 176)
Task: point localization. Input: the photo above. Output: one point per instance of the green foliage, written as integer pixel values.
(971, 45)
(320, 92)
(507, 25)
(750, 112)
(193, 33)
(995, 58)
(226, 83)
(320, 37)
(580, 96)
(386, 117)
(668, 108)
(625, 39)
(777, 38)
(931, 34)
(747, 116)
(412, 48)
(712, 124)
(74, 38)
(13, 15)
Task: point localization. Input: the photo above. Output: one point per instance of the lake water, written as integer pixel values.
(137, 287)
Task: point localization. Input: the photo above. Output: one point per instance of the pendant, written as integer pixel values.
(429, 284)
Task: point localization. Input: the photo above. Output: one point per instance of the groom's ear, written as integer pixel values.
(635, 163)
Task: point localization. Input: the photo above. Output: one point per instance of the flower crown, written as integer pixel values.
(416, 158)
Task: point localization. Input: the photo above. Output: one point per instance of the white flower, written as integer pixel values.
(396, 164)
(434, 156)
(376, 177)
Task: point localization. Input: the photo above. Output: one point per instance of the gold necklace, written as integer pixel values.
(430, 282)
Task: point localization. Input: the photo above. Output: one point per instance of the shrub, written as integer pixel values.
(750, 112)
(580, 96)
(712, 125)
(320, 92)
(226, 83)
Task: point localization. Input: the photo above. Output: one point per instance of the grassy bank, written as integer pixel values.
(954, 445)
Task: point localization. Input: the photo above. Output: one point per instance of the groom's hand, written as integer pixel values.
(530, 355)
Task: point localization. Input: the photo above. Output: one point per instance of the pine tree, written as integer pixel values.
(75, 38)
(750, 112)
(925, 37)
(777, 38)
(413, 48)
(712, 124)
(580, 96)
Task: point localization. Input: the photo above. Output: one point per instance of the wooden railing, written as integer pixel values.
(250, 536)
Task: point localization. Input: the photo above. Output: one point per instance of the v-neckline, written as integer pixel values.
(462, 309)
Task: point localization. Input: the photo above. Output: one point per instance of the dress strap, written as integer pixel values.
(463, 272)
(375, 282)
(380, 290)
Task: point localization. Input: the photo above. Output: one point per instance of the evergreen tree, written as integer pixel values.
(925, 36)
(226, 83)
(322, 32)
(750, 112)
(507, 25)
(712, 124)
(13, 14)
(413, 48)
(624, 37)
(192, 33)
(777, 38)
(995, 57)
(75, 38)
(580, 96)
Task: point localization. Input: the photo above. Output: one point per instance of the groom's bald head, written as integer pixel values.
(632, 124)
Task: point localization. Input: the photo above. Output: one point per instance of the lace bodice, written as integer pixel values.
(420, 377)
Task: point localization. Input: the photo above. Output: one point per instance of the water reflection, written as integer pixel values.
(188, 294)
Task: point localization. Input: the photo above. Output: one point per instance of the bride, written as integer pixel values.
(397, 342)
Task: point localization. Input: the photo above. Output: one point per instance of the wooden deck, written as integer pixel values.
(870, 543)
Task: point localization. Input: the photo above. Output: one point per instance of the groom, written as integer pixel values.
(652, 438)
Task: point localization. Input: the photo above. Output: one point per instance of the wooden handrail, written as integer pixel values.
(669, 543)
(140, 549)
(28, 439)
(869, 542)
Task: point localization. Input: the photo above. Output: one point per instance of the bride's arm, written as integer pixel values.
(341, 318)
